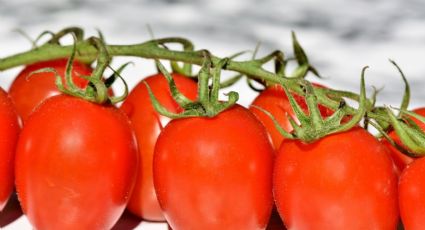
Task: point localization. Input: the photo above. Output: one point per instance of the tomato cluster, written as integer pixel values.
(78, 165)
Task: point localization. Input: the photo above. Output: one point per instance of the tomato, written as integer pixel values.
(147, 124)
(9, 131)
(28, 91)
(75, 170)
(342, 181)
(274, 100)
(215, 173)
(411, 195)
(400, 159)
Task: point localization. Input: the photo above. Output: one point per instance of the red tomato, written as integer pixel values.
(9, 130)
(76, 164)
(274, 100)
(400, 159)
(215, 173)
(411, 195)
(147, 124)
(342, 181)
(29, 91)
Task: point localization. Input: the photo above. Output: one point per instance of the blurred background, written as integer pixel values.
(340, 37)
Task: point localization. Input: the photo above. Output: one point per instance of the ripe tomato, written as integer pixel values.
(75, 170)
(400, 159)
(274, 100)
(147, 124)
(342, 181)
(9, 131)
(29, 91)
(215, 173)
(411, 195)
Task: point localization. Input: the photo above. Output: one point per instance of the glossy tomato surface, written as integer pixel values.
(274, 100)
(215, 173)
(342, 181)
(9, 131)
(411, 195)
(29, 91)
(400, 159)
(148, 124)
(75, 164)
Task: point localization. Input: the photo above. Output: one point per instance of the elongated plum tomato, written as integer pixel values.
(411, 195)
(29, 91)
(400, 159)
(9, 131)
(215, 173)
(147, 124)
(342, 181)
(274, 100)
(76, 164)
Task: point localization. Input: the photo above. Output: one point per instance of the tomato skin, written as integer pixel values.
(399, 159)
(215, 173)
(29, 91)
(342, 181)
(274, 100)
(75, 170)
(9, 131)
(411, 195)
(148, 124)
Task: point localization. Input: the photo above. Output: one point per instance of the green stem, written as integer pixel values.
(87, 52)
(77, 32)
(103, 59)
(203, 90)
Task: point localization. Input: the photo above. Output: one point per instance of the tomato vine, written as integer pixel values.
(91, 49)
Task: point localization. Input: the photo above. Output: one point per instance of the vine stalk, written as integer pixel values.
(87, 52)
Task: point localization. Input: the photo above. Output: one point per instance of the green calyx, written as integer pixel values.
(304, 65)
(280, 65)
(97, 90)
(208, 103)
(410, 134)
(311, 125)
(380, 113)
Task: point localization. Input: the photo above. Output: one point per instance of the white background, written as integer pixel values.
(340, 37)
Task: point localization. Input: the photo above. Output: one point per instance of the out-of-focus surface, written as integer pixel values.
(340, 37)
